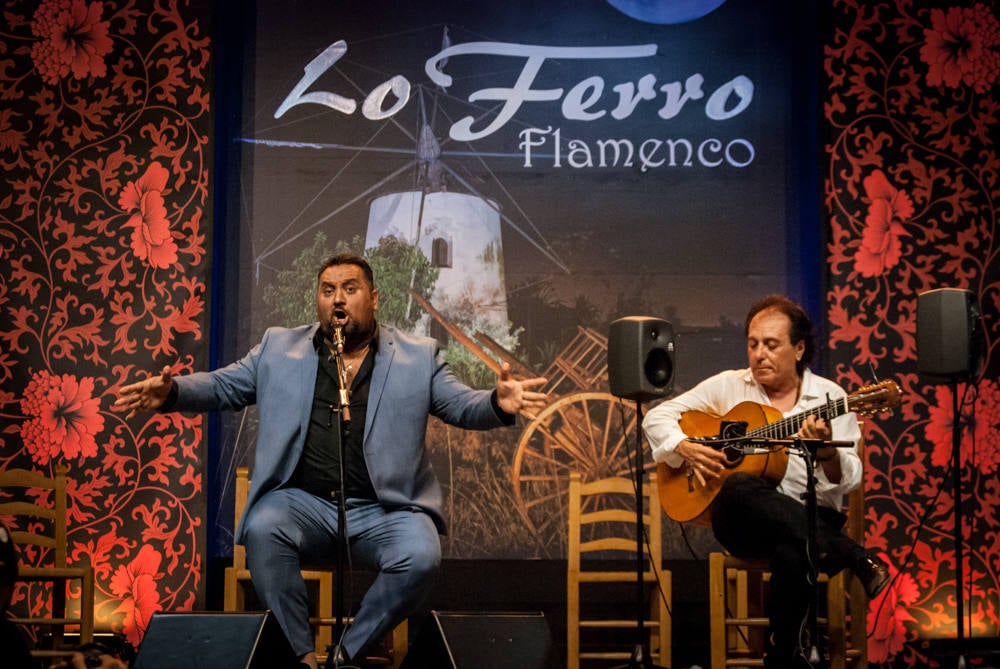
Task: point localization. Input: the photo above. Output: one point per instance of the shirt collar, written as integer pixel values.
(807, 390)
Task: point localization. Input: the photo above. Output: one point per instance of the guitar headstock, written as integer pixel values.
(878, 397)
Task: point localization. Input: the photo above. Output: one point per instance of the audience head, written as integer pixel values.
(8, 567)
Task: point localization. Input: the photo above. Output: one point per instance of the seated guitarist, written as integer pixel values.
(754, 517)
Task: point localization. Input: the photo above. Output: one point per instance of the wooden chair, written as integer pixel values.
(738, 624)
(237, 576)
(602, 521)
(38, 528)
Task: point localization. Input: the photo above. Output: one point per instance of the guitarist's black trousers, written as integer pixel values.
(751, 519)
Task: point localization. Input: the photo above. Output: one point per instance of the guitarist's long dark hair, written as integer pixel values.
(802, 326)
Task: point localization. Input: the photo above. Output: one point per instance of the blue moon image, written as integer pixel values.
(666, 11)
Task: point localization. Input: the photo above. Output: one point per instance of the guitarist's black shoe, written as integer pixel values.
(785, 658)
(873, 574)
(338, 660)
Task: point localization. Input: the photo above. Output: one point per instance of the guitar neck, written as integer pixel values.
(789, 427)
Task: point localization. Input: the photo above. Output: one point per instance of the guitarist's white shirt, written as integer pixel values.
(718, 394)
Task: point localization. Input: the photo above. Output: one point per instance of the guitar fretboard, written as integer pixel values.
(788, 427)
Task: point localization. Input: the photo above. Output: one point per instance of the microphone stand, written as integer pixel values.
(343, 422)
(956, 482)
(812, 549)
(806, 449)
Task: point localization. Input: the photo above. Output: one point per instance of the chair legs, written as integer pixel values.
(738, 631)
(323, 621)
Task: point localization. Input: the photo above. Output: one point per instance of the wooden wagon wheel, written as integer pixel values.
(589, 432)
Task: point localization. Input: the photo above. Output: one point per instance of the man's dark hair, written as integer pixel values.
(348, 259)
(801, 324)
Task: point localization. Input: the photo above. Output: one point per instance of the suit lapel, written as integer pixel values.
(386, 351)
(305, 368)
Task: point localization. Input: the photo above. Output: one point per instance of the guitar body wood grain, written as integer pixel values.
(683, 499)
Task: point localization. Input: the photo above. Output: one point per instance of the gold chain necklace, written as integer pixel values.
(357, 357)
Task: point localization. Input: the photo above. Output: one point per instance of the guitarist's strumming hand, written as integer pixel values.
(815, 427)
(705, 463)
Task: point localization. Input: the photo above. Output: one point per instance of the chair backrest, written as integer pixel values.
(242, 490)
(602, 522)
(37, 516)
(602, 518)
(34, 507)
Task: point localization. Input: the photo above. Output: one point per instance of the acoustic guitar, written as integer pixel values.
(686, 501)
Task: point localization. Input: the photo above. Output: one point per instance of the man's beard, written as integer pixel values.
(355, 334)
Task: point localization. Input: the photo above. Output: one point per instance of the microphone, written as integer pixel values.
(338, 339)
(345, 391)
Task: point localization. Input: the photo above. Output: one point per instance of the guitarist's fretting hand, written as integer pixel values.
(704, 461)
(815, 427)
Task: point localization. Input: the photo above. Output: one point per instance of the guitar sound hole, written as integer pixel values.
(732, 429)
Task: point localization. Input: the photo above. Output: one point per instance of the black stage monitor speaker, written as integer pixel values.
(948, 334)
(458, 640)
(641, 358)
(214, 641)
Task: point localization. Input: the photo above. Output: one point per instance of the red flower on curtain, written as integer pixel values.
(64, 418)
(135, 584)
(881, 247)
(151, 238)
(888, 615)
(73, 40)
(980, 435)
(961, 47)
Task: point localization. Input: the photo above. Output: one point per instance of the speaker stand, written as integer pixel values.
(961, 648)
(956, 482)
(640, 654)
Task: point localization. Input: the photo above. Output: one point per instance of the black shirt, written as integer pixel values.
(318, 470)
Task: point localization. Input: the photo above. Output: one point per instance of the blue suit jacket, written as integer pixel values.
(410, 381)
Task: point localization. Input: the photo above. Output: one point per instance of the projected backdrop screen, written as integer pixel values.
(522, 174)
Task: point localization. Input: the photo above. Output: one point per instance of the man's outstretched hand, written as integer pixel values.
(147, 395)
(515, 395)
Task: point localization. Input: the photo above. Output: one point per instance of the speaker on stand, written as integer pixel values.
(949, 335)
(641, 358)
(949, 350)
(640, 368)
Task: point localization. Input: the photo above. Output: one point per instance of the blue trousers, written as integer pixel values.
(289, 528)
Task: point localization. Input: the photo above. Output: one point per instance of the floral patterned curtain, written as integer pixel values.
(105, 150)
(912, 193)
